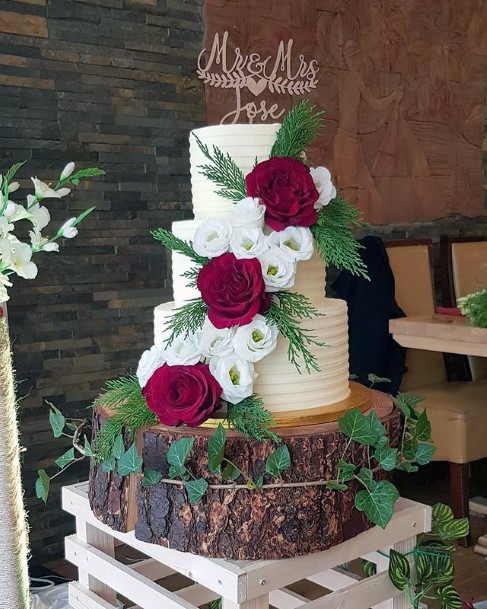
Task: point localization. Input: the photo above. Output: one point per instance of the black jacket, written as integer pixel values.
(371, 304)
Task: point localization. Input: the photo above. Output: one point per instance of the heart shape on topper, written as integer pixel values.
(256, 86)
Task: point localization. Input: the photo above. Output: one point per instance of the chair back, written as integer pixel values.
(468, 273)
(411, 265)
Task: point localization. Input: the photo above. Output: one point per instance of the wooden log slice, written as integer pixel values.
(263, 524)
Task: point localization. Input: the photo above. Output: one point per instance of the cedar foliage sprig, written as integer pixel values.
(187, 319)
(286, 311)
(251, 418)
(128, 409)
(300, 126)
(224, 172)
(334, 239)
(474, 306)
(176, 244)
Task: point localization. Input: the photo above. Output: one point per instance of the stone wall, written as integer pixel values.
(106, 83)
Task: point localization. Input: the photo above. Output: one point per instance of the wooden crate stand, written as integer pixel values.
(242, 584)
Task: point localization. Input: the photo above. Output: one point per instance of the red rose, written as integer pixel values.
(183, 394)
(233, 289)
(285, 186)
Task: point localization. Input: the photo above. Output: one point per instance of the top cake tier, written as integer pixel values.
(244, 143)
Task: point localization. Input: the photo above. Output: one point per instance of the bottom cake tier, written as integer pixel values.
(300, 517)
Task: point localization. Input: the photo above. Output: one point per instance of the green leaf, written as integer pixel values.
(410, 447)
(386, 458)
(57, 421)
(42, 485)
(382, 442)
(369, 568)
(378, 503)
(196, 489)
(179, 451)
(298, 129)
(216, 449)
(346, 470)
(374, 379)
(358, 427)
(87, 447)
(405, 466)
(424, 567)
(366, 476)
(177, 472)
(375, 425)
(130, 462)
(259, 483)
(433, 563)
(108, 464)
(230, 472)
(455, 529)
(151, 477)
(399, 570)
(424, 453)
(442, 514)
(423, 428)
(408, 403)
(449, 598)
(278, 461)
(336, 486)
(65, 458)
(118, 447)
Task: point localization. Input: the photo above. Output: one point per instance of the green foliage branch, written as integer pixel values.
(299, 128)
(474, 306)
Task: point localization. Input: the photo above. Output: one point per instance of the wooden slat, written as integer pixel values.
(82, 598)
(286, 599)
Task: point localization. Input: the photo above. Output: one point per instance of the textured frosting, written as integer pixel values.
(244, 143)
(280, 385)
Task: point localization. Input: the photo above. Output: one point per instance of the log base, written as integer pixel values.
(239, 524)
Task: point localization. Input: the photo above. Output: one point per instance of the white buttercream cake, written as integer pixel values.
(279, 384)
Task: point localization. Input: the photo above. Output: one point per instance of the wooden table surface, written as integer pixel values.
(444, 333)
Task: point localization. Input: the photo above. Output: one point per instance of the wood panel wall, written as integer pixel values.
(106, 83)
(403, 83)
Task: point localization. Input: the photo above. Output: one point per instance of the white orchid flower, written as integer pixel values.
(41, 243)
(17, 256)
(68, 229)
(43, 191)
(67, 171)
(39, 215)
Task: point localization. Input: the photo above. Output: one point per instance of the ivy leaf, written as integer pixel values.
(130, 462)
(357, 426)
(386, 458)
(87, 447)
(423, 428)
(455, 529)
(336, 486)
(410, 447)
(196, 489)
(177, 472)
(345, 471)
(399, 570)
(43, 483)
(151, 477)
(57, 421)
(382, 442)
(374, 379)
(449, 598)
(65, 458)
(278, 461)
(368, 568)
(375, 425)
(366, 476)
(259, 483)
(108, 464)
(216, 448)
(407, 404)
(378, 503)
(230, 472)
(405, 466)
(179, 451)
(118, 447)
(424, 453)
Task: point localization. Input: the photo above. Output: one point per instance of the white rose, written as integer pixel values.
(255, 340)
(278, 269)
(68, 229)
(235, 376)
(324, 185)
(183, 351)
(215, 342)
(212, 238)
(296, 241)
(248, 242)
(151, 360)
(248, 213)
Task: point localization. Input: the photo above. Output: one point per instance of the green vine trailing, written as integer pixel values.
(299, 128)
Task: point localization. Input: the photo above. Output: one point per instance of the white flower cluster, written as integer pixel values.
(16, 256)
(232, 352)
